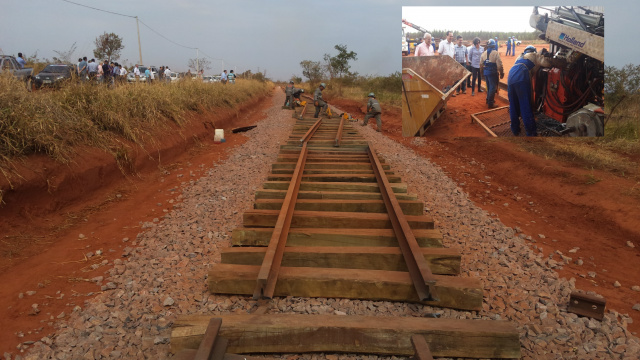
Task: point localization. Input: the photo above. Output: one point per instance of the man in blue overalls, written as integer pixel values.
(508, 46)
(519, 88)
(491, 67)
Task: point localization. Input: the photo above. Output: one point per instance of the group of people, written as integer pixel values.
(487, 64)
(113, 73)
(230, 77)
(373, 106)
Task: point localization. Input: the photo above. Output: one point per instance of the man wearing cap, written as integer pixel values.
(425, 48)
(490, 67)
(519, 87)
(373, 110)
(288, 92)
(319, 103)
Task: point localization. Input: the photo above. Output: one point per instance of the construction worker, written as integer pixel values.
(491, 67)
(288, 92)
(319, 103)
(508, 46)
(373, 110)
(519, 87)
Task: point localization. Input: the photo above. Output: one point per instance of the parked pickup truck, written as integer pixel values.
(9, 64)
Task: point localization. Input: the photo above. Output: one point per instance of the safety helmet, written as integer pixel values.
(323, 85)
(530, 49)
(491, 43)
(371, 95)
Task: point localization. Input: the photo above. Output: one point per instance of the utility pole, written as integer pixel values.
(139, 46)
(197, 62)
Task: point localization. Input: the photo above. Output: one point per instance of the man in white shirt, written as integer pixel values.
(425, 48)
(136, 72)
(167, 74)
(447, 46)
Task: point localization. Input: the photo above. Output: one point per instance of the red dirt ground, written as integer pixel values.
(548, 197)
(40, 248)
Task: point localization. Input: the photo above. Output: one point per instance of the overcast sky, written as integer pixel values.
(465, 18)
(271, 34)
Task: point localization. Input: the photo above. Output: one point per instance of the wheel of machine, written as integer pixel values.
(585, 123)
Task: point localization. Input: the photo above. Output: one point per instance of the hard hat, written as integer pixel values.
(371, 95)
(491, 43)
(530, 49)
(323, 85)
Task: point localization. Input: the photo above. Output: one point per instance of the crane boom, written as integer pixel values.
(419, 28)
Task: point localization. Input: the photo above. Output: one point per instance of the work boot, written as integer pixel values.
(378, 130)
(492, 106)
(464, 92)
(480, 90)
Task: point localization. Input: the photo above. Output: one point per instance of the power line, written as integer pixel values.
(107, 11)
(147, 26)
(164, 37)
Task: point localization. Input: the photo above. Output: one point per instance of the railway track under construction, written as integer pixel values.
(333, 220)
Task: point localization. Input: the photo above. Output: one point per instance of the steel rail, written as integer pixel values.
(307, 136)
(268, 274)
(419, 270)
(339, 134)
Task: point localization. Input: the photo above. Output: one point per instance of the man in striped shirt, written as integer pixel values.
(461, 56)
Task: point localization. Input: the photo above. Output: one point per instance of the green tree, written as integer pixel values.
(108, 46)
(312, 70)
(339, 65)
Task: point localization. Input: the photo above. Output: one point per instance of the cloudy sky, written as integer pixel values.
(274, 35)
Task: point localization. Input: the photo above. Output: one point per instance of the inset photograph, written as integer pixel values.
(531, 71)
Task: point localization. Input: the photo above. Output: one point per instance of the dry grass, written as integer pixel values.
(54, 122)
(617, 152)
(585, 152)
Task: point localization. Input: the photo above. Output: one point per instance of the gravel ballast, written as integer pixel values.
(163, 274)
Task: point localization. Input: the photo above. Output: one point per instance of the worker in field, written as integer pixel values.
(373, 110)
(520, 87)
(426, 48)
(231, 77)
(491, 68)
(288, 92)
(508, 46)
(318, 101)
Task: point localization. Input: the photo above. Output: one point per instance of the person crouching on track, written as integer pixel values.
(373, 110)
(319, 103)
(519, 88)
(490, 67)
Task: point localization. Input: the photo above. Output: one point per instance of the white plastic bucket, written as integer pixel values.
(219, 136)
